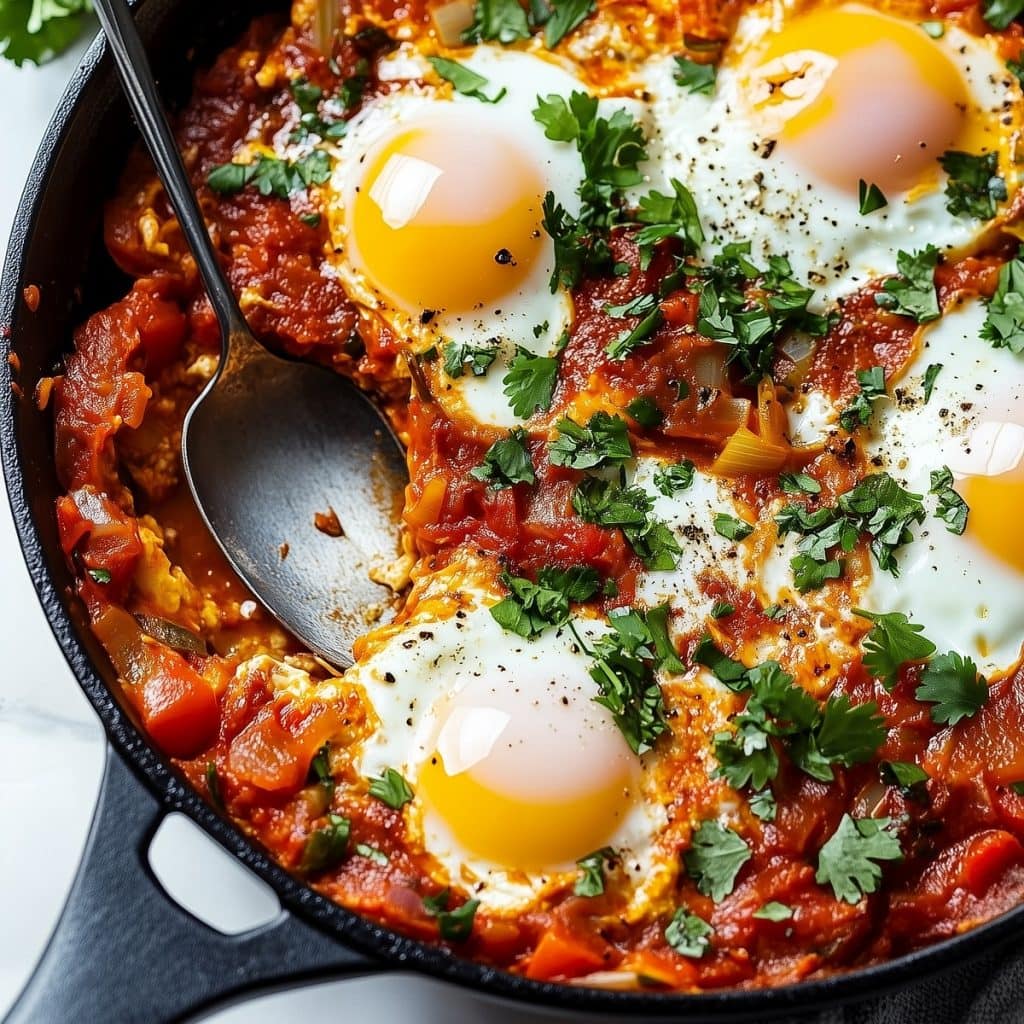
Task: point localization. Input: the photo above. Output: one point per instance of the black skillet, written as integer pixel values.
(122, 950)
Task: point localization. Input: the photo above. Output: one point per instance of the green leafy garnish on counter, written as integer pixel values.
(39, 30)
(391, 789)
(849, 860)
(714, 859)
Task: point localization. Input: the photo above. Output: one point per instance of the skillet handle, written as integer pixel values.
(123, 951)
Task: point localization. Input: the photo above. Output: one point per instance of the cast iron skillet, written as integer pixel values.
(122, 950)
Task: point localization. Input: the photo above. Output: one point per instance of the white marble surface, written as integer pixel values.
(51, 745)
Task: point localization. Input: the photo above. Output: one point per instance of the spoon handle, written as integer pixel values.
(140, 88)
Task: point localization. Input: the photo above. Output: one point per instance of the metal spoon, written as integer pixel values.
(271, 442)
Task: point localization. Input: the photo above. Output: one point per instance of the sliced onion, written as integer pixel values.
(614, 980)
(709, 368)
(745, 452)
(451, 20)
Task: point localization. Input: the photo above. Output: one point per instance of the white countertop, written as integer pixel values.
(51, 744)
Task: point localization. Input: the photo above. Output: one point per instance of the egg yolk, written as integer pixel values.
(526, 779)
(852, 94)
(446, 216)
(994, 490)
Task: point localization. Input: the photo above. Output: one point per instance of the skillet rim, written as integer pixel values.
(335, 921)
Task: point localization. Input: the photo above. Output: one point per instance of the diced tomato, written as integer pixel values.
(992, 742)
(562, 955)
(680, 309)
(177, 705)
(103, 537)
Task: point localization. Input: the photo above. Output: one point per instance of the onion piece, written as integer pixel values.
(709, 368)
(451, 20)
(325, 25)
(772, 421)
(745, 452)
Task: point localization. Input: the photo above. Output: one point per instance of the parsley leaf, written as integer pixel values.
(453, 925)
(1004, 324)
(646, 412)
(604, 441)
(951, 508)
(810, 574)
(673, 478)
(798, 483)
(973, 188)
(725, 669)
(932, 373)
(715, 858)
(902, 774)
(688, 934)
(673, 216)
(871, 198)
(326, 847)
(731, 528)
(272, 176)
(464, 80)
(722, 610)
(506, 463)
(372, 853)
(762, 804)
(577, 251)
(391, 789)
(608, 503)
(913, 293)
(566, 15)
(848, 861)
(591, 881)
(460, 356)
(501, 20)
(773, 911)
(38, 32)
(892, 641)
(100, 576)
(872, 387)
(951, 682)
(531, 607)
(530, 383)
(695, 77)
(644, 306)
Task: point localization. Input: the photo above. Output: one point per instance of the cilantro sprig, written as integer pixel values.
(974, 188)
(912, 293)
(460, 356)
(530, 383)
(849, 860)
(530, 607)
(714, 859)
(952, 684)
(688, 935)
(892, 642)
(1004, 322)
(604, 441)
(506, 463)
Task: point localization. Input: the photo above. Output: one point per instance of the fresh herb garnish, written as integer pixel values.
(871, 198)
(100, 576)
(672, 478)
(460, 356)
(372, 853)
(503, 21)
(646, 412)
(935, 29)
(326, 846)
(506, 463)
(798, 483)
(688, 934)
(531, 607)
(872, 387)
(591, 879)
(762, 804)
(320, 769)
(722, 610)
(629, 340)
(270, 176)
(213, 786)
(892, 642)
(913, 293)
(464, 80)
(951, 508)
(902, 774)
(604, 441)
(391, 789)
(565, 16)
(773, 911)
(714, 859)
(453, 925)
(1004, 324)
(530, 383)
(731, 528)
(951, 683)
(932, 373)
(663, 216)
(610, 504)
(849, 860)
(695, 77)
(974, 188)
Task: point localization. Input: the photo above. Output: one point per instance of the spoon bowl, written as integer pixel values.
(296, 473)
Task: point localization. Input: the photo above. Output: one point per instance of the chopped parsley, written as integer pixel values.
(731, 528)
(646, 412)
(951, 508)
(353, 88)
(672, 478)
(935, 29)
(644, 306)
(849, 860)
(506, 463)
(320, 769)
(798, 483)
(271, 176)
(932, 373)
(391, 788)
(974, 188)
(951, 683)
(1004, 324)
(902, 774)
(530, 383)
(773, 911)
(913, 293)
(464, 80)
(892, 642)
(695, 77)
(722, 610)
(714, 859)
(326, 847)
(565, 16)
(372, 853)
(100, 576)
(591, 879)
(872, 387)
(460, 356)
(688, 934)
(531, 607)
(610, 504)
(663, 216)
(871, 198)
(453, 925)
(213, 786)
(502, 21)
(604, 441)
(762, 804)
